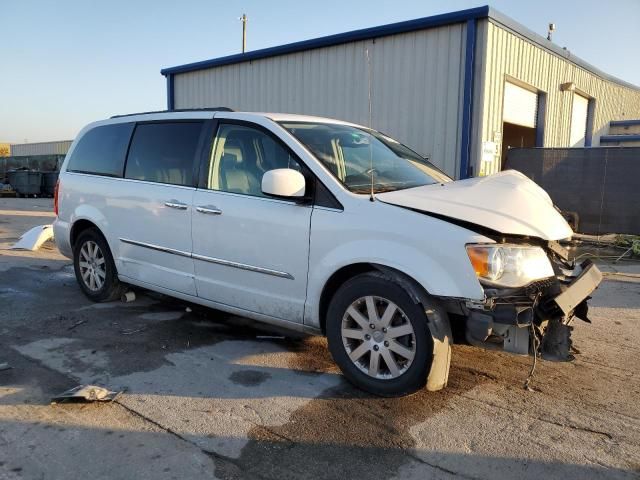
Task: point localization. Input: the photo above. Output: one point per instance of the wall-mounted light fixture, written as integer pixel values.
(552, 27)
(568, 87)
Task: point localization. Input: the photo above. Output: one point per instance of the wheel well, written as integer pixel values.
(415, 290)
(79, 227)
(333, 284)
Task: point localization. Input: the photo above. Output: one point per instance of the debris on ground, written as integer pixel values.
(5, 366)
(34, 238)
(629, 242)
(86, 393)
(611, 248)
(128, 297)
(131, 332)
(78, 323)
(536, 345)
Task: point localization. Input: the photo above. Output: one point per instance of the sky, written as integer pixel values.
(66, 63)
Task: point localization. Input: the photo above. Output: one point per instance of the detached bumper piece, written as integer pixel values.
(572, 302)
(574, 298)
(536, 318)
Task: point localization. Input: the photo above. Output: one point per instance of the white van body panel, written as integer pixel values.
(507, 202)
(253, 254)
(429, 250)
(154, 238)
(128, 211)
(310, 243)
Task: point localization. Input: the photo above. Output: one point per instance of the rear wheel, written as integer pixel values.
(94, 267)
(379, 336)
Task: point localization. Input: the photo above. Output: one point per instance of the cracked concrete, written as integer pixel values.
(207, 397)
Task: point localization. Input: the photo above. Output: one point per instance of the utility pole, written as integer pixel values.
(244, 19)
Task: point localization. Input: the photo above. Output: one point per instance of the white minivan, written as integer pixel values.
(321, 226)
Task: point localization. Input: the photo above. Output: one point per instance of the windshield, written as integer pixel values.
(359, 157)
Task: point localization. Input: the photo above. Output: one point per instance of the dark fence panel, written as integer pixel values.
(44, 163)
(602, 185)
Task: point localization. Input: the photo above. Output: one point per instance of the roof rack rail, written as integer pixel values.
(210, 109)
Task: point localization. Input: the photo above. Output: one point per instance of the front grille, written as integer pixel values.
(540, 286)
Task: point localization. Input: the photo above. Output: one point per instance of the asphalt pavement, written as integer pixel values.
(210, 395)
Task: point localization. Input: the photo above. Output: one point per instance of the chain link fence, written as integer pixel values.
(600, 185)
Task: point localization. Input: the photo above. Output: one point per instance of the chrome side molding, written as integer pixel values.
(219, 261)
(243, 266)
(156, 247)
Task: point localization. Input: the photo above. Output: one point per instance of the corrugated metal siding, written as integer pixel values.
(509, 55)
(417, 82)
(41, 148)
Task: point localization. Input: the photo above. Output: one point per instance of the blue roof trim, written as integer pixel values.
(541, 41)
(591, 109)
(624, 123)
(619, 138)
(170, 93)
(467, 114)
(340, 38)
(541, 120)
(396, 28)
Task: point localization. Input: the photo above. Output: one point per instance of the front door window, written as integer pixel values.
(240, 157)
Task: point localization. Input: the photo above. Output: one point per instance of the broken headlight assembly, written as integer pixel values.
(508, 265)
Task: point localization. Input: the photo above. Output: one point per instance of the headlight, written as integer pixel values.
(509, 265)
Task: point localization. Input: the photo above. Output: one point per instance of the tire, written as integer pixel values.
(405, 340)
(95, 270)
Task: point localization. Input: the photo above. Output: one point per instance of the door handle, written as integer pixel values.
(209, 210)
(175, 204)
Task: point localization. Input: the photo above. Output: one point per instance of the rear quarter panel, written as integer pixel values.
(85, 197)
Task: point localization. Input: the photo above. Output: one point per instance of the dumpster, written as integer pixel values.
(49, 180)
(25, 182)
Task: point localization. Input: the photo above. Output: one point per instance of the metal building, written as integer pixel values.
(41, 148)
(460, 88)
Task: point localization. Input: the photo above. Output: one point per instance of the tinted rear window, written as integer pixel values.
(164, 152)
(101, 151)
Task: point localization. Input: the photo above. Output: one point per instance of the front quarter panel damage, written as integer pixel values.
(536, 319)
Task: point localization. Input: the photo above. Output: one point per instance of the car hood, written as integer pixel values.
(507, 202)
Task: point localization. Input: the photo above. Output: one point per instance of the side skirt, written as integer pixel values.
(278, 322)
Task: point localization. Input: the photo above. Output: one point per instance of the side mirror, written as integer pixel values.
(283, 183)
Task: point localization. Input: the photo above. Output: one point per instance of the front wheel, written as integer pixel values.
(379, 336)
(94, 267)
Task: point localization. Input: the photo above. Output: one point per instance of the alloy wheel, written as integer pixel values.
(378, 337)
(93, 267)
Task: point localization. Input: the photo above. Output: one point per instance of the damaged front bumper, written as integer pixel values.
(535, 318)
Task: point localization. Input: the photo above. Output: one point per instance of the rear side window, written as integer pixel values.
(101, 151)
(164, 152)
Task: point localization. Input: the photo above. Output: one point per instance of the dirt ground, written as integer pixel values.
(208, 395)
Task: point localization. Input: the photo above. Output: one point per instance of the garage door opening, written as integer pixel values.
(579, 119)
(522, 117)
(516, 136)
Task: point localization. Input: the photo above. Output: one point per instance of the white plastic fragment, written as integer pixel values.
(86, 393)
(128, 297)
(34, 238)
